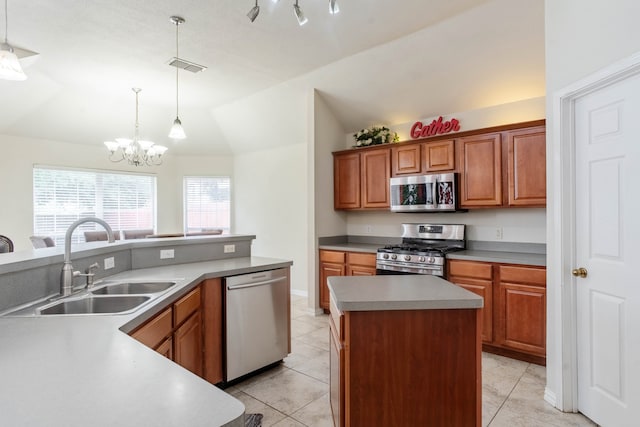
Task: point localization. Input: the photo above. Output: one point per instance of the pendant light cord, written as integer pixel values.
(6, 21)
(177, 69)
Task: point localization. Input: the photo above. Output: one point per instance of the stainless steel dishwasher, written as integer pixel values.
(257, 321)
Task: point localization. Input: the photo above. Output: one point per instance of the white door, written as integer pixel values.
(607, 137)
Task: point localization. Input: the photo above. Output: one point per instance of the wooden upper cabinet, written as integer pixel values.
(375, 172)
(481, 165)
(405, 159)
(426, 157)
(526, 162)
(438, 156)
(346, 180)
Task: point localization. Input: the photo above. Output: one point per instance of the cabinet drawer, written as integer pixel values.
(359, 258)
(477, 270)
(156, 330)
(528, 275)
(332, 256)
(186, 305)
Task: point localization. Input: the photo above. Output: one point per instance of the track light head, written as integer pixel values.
(333, 7)
(254, 12)
(299, 14)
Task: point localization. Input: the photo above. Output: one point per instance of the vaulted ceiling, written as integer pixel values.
(377, 61)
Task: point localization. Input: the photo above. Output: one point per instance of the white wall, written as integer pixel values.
(270, 197)
(581, 37)
(16, 175)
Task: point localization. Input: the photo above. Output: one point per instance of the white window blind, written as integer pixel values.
(62, 196)
(207, 203)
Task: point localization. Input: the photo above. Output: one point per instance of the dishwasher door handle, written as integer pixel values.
(253, 285)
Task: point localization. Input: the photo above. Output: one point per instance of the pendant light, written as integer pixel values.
(10, 68)
(177, 132)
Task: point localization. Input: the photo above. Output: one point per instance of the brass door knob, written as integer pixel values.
(579, 272)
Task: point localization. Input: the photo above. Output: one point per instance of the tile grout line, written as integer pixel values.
(508, 395)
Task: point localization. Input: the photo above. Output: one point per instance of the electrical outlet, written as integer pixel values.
(368, 229)
(109, 263)
(498, 233)
(229, 249)
(167, 253)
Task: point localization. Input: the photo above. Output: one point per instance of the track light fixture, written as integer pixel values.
(297, 10)
(299, 14)
(253, 13)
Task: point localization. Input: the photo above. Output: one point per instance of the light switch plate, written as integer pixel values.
(167, 253)
(229, 249)
(109, 263)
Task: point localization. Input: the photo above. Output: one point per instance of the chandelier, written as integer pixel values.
(135, 151)
(297, 11)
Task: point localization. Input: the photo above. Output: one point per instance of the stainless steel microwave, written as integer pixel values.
(424, 193)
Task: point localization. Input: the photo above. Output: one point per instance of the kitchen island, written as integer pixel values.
(405, 351)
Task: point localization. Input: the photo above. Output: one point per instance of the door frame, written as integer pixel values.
(562, 362)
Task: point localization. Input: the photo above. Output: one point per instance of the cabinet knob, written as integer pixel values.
(579, 272)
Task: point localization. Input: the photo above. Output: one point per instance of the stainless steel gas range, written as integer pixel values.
(422, 250)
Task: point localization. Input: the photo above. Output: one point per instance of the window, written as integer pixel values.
(207, 203)
(62, 196)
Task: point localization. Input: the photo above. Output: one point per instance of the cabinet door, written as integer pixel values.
(187, 341)
(405, 159)
(521, 310)
(166, 348)
(336, 377)
(476, 277)
(376, 172)
(328, 269)
(484, 288)
(481, 164)
(346, 181)
(438, 156)
(527, 172)
(361, 264)
(155, 331)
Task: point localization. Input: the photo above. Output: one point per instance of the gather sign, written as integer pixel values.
(436, 127)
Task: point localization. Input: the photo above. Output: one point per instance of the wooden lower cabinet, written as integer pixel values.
(341, 263)
(521, 315)
(189, 331)
(405, 368)
(514, 312)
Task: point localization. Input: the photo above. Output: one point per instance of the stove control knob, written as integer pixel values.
(407, 257)
(432, 260)
(385, 256)
(394, 256)
(422, 259)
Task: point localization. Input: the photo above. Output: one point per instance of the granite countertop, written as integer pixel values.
(399, 292)
(86, 371)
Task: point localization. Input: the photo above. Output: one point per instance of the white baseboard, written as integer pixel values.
(299, 293)
(550, 398)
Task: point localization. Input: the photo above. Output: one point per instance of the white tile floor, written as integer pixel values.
(296, 392)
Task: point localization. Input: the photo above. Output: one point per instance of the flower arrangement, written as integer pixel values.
(375, 135)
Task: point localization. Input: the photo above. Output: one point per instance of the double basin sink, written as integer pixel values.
(111, 298)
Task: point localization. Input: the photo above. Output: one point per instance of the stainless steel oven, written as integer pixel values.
(422, 251)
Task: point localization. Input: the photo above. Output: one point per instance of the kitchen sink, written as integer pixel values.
(133, 288)
(95, 305)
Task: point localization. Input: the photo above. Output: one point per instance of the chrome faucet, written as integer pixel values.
(67, 275)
